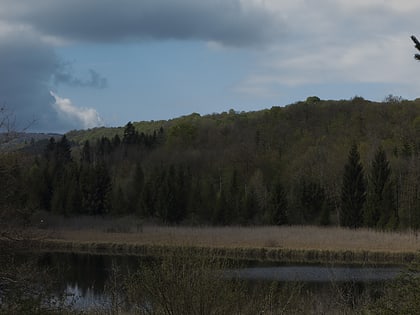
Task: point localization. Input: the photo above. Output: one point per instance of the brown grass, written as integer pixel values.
(294, 237)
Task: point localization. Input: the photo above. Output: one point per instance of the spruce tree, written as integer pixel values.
(353, 191)
(96, 187)
(130, 134)
(86, 153)
(63, 151)
(381, 209)
(278, 205)
(310, 200)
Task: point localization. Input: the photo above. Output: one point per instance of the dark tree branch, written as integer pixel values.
(417, 45)
(8, 128)
(416, 42)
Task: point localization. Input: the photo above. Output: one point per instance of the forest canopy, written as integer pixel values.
(298, 164)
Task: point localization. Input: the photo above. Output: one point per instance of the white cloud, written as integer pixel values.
(80, 116)
(340, 42)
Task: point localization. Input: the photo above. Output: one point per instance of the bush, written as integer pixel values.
(401, 296)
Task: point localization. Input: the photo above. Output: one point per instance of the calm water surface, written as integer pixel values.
(84, 276)
(317, 273)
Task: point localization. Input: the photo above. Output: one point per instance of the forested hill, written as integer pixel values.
(284, 165)
(314, 122)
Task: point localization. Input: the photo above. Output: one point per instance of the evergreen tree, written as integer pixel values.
(11, 180)
(234, 197)
(74, 196)
(96, 187)
(86, 154)
(103, 188)
(249, 206)
(353, 191)
(63, 151)
(148, 200)
(103, 147)
(310, 200)
(381, 210)
(119, 204)
(182, 188)
(135, 189)
(50, 149)
(278, 205)
(130, 134)
(57, 158)
(116, 141)
(221, 215)
(35, 186)
(164, 194)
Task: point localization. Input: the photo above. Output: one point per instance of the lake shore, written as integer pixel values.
(290, 243)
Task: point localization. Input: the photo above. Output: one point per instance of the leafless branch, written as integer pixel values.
(8, 127)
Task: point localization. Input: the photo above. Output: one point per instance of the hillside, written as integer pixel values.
(311, 137)
(24, 140)
(283, 165)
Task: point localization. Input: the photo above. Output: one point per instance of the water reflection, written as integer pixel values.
(84, 276)
(83, 299)
(317, 273)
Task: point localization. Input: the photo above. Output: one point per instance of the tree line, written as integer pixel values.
(353, 163)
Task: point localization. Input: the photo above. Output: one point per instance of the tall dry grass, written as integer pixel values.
(286, 237)
(193, 283)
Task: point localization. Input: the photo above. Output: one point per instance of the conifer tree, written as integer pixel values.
(278, 205)
(63, 150)
(130, 135)
(86, 154)
(381, 209)
(234, 197)
(353, 191)
(96, 187)
(221, 215)
(310, 199)
(249, 207)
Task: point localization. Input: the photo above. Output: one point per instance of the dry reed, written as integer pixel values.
(293, 243)
(290, 237)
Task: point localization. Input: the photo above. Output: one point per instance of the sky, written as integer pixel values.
(78, 64)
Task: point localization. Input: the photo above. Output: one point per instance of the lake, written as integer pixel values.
(84, 276)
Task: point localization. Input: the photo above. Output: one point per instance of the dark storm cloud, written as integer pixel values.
(228, 22)
(26, 65)
(65, 76)
(29, 30)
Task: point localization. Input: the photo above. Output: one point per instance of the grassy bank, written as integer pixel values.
(295, 243)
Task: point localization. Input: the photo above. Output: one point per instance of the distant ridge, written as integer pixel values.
(18, 140)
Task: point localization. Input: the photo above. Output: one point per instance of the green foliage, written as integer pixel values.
(380, 209)
(86, 154)
(222, 168)
(95, 184)
(309, 200)
(278, 210)
(130, 134)
(312, 99)
(353, 192)
(402, 296)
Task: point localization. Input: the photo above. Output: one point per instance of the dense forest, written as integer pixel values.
(349, 162)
